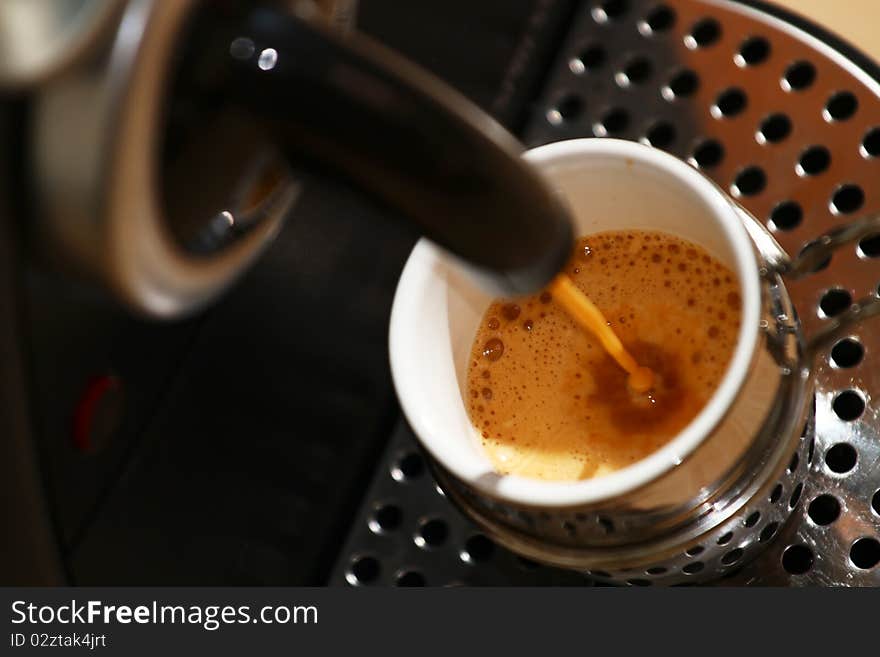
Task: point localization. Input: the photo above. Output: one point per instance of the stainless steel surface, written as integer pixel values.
(766, 95)
(408, 533)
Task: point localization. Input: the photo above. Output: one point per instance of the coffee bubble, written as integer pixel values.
(493, 349)
(510, 311)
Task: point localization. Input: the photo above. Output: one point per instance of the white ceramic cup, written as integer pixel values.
(609, 185)
(709, 497)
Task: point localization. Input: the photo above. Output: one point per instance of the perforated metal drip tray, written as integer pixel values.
(790, 127)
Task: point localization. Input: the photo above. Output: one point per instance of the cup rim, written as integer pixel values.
(535, 492)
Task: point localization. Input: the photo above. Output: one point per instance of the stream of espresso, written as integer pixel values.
(551, 403)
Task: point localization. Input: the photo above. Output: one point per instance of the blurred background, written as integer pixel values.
(234, 445)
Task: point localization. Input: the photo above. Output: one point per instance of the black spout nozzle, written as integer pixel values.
(351, 109)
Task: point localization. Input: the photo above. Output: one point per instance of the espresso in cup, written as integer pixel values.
(550, 403)
(655, 505)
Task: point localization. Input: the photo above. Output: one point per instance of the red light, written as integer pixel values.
(88, 407)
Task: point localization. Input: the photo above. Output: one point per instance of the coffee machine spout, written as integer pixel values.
(342, 105)
(166, 163)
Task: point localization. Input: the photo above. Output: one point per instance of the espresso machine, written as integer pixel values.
(204, 209)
